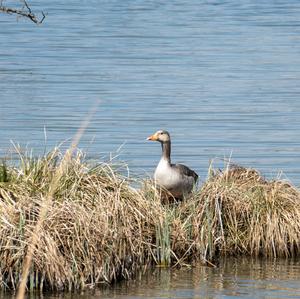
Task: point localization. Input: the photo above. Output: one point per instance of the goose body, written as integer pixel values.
(178, 179)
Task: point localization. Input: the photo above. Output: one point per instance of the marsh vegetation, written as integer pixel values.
(97, 228)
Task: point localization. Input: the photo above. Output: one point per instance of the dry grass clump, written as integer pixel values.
(237, 211)
(97, 228)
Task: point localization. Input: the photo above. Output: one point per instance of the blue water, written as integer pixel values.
(222, 76)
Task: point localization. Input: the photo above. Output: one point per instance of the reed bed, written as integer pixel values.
(99, 229)
(237, 211)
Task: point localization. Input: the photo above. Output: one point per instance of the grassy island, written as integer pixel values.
(97, 228)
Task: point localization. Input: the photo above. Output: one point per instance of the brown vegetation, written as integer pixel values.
(98, 228)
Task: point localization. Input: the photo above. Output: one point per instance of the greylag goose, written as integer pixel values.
(178, 179)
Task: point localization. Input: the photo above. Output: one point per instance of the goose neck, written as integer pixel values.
(166, 150)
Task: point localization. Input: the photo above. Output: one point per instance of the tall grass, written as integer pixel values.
(98, 229)
(237, 211)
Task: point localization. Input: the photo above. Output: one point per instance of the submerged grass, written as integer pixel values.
(99, 229)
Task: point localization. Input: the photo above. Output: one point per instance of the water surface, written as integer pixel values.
(222, 76)
(233, 278)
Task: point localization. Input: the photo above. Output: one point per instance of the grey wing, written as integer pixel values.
(184, 170)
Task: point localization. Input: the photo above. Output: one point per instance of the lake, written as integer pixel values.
(222, 76)
(233, 278)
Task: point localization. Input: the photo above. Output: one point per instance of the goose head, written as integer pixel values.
(161, 136)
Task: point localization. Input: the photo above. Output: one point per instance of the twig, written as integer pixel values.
(24, 13)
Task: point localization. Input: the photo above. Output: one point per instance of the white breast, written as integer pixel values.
(172, 179)
(165, 176)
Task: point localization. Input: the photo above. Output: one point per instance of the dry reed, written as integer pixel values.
(237, 211)
(99, 229)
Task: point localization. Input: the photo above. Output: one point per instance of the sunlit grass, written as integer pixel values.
(240, 212)
(98, 228)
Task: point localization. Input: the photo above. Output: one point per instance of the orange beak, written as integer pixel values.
(152, 137)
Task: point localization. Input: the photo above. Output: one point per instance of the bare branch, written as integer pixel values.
(24, 12)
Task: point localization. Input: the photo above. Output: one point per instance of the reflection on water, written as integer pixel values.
(233, 278)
